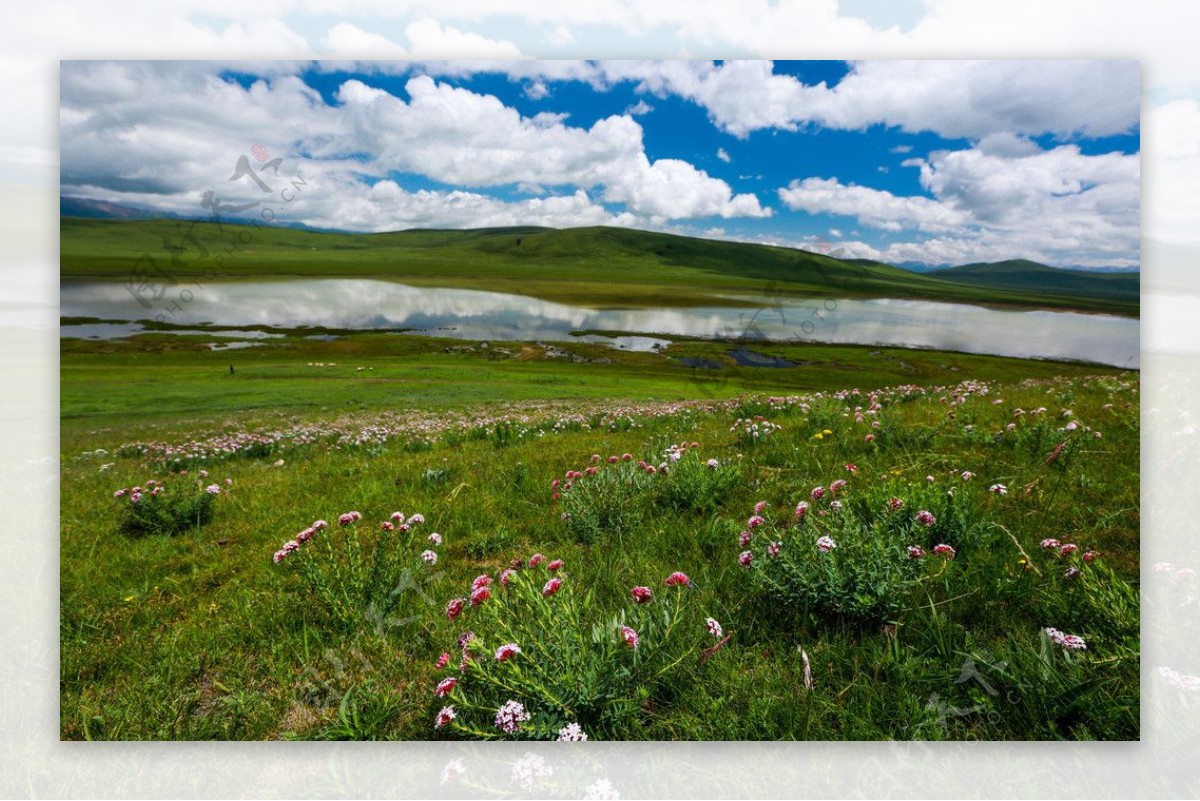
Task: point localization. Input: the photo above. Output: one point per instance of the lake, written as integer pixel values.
(476, 315)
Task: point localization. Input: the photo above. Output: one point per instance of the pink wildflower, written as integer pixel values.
(506, 576)
(678, 579)
(443, 660)
(915, 552)
(758, 507)
(1069, 548)
(480, 595)
(629, 636)
(826, 544)
(744, 558)
(773, 550)
(445, 716)
(554, 565)
(571, 733)
(430, 557)
(455, 607)
(1050, 542)
(926, 518)
(714, 628)
(482, 580)
(755, 521)
(551, 587)
(445, 686)
(641, 595)
(510, 716)
(507, 651)
(801, 509)
(895, 504)
(1072, 642)
(744, 539)
(818, 493)
(945, 550)
(435, 538)
(536, 560)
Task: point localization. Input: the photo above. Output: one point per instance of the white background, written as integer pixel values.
(34, 36)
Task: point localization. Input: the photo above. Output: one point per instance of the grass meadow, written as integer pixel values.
(876, 544)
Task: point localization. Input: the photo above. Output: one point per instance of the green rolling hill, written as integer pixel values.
(597, 267)
(1025, 275)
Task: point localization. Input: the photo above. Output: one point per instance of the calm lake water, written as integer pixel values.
(470, 314)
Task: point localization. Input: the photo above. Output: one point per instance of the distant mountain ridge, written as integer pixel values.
(1026, 275)
(599, 266)
(100, 209)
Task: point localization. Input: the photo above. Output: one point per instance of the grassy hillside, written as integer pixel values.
(1022, 274)
(598, 267)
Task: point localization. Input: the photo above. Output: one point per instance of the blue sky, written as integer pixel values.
(934, 162)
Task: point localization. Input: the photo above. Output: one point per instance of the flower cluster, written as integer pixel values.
(1071, 642)
(510, 716)
(1067, 549)
(151, 509)
(571, 733)
(751, 430)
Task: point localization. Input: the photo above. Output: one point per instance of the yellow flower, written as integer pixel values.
(827, 431)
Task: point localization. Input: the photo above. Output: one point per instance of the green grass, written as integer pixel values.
(158, 378)
(638, 268)
(198, 635)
